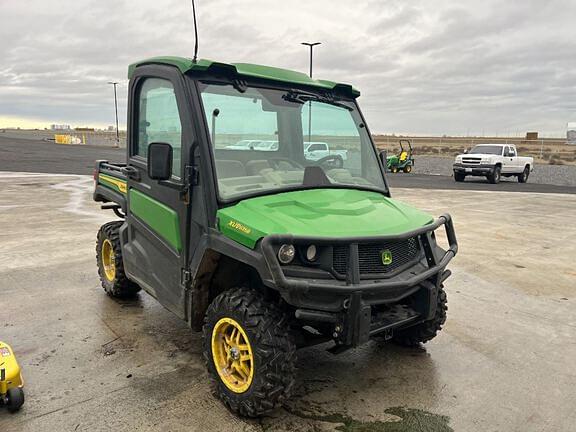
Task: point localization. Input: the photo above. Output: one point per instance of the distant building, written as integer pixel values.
(571, 133)
(59, 127)
(111, 128)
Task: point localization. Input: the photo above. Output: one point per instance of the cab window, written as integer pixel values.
(158, 120)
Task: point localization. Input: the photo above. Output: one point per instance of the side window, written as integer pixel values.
(506, 151)
(158, 119)
(316, 147)
(511, 152)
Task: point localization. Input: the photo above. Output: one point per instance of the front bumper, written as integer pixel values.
(354, 306)
(474, 170)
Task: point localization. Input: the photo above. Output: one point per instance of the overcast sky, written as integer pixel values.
(423, 67)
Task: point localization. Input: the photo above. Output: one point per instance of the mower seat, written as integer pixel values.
(403, 156)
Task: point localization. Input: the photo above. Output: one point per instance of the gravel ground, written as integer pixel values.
(562, 175)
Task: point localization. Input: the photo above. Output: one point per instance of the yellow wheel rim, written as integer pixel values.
(232, 355)
(108, 260)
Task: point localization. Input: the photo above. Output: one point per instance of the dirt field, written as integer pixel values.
(553, 151)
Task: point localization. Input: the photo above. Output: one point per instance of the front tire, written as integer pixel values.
(459, 177)
(15, 397)
(394, 170)
(423, 332)
(249, 351)
(494, 176)
(110, 263)
(523, 178)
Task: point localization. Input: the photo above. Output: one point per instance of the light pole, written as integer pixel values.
(114, 83)
(311, 45)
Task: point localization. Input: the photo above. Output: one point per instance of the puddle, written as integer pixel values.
(404, 420)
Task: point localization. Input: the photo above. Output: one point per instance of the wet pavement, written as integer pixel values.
(90, 363)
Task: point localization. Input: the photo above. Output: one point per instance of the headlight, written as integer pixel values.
(458, 159)
(311, 252)
(286, 253)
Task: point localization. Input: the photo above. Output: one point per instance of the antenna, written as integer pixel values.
(195, 33)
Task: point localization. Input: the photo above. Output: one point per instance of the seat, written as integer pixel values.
(230, 169)
(254, 167)
(403, 156)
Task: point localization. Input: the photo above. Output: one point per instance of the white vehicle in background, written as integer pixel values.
(314, 151)
(266, 146)
(493, 161)
(243, 145)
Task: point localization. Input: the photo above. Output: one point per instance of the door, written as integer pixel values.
(157, 213)
(316, 151)
(507, 161)
(514, 163)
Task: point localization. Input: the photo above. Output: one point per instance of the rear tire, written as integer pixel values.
(269, 371)
(407, 169)
(110, 263)
(523, 178)
(494, 176)
(459, 177)
(423, 332)
(15, 398)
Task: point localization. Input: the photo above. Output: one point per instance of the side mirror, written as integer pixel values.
(465, 151)
(383, 157)
(159, 161)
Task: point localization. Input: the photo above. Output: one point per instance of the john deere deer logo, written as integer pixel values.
(386, 256)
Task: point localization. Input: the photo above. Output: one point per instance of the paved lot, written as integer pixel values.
(503, 362)
(47, 157)
(40, 156)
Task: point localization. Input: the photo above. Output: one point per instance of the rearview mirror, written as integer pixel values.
(383, 157)
(159, 161)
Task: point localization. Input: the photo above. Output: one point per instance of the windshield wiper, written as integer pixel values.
(302, 97)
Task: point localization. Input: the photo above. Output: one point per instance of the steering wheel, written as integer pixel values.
(331, 161)
(275, 161)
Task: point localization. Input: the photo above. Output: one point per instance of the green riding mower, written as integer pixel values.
(403, 161)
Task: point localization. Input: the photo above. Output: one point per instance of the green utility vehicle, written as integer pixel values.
(403, 161)
(261, 248)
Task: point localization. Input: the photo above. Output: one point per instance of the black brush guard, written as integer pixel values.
(351, 306)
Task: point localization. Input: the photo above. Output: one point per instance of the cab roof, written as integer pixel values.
(247, 70)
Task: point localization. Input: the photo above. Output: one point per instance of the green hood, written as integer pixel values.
(319, 212)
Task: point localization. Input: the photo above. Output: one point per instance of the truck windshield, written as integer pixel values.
(487, 149)
(267, 140)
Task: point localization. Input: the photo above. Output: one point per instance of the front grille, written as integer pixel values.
(370, 256)
(471, 160)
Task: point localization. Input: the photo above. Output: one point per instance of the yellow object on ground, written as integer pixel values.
(11, 382)
(68, 139)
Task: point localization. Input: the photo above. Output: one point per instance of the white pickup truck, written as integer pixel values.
(493, 161)
(314, 151)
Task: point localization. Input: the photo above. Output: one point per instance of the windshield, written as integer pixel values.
(487, 149)
(267, 140)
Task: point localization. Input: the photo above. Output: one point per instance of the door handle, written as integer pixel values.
(131, 172)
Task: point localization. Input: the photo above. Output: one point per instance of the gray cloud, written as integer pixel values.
(442, 67)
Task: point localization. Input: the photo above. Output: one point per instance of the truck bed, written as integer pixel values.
(110, 183)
